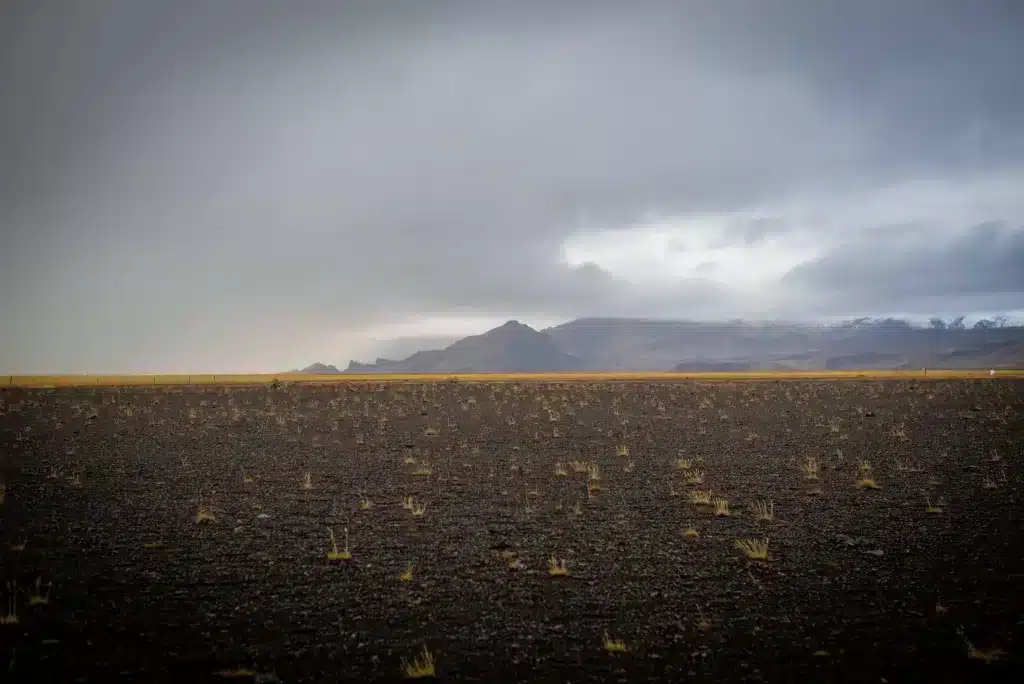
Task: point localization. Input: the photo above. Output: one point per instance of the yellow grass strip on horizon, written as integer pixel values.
(28, 381)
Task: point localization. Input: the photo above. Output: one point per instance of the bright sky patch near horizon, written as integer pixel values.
(249, 185)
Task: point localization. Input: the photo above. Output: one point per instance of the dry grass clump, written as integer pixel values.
(204, 515)
(988, 655)
(421, 667)
(866, 479)
(811, 468)
(613, 645)
(755, 549)
(693, 477)
(557, 567)
(700, 498)
(722, 508)
(763, 510)
(334, 554)
(10, 617)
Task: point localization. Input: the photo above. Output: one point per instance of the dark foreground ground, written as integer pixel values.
(103, 488)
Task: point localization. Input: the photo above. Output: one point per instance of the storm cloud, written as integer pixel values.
(253, 185)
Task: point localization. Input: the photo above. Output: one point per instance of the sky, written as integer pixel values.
(254, 185)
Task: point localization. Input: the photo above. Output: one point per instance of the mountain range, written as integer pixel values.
(621, 344)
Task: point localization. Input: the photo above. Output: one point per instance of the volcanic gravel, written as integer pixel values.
(113, 578)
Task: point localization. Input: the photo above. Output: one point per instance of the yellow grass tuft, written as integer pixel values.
(690, 532)
(365, 504)
(614, 646)
(722, 508)
(623, 451)
(755, 549)
(423, 469)
(38, 598)
(683, 464)
(700, 498)
(988, 655)
(307, 481)
(579, 466)
(205, 515)
(560, 470)
(334, 554)
(557, 568)
(11, 616)
(811, 468)
(693, 477)
(407, 575)
(421, 666)
(239, 673)
(763, 510)
(866, 481)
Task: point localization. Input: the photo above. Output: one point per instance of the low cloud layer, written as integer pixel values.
(252, 186)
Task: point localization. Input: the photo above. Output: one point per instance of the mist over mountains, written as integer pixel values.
(624, 344)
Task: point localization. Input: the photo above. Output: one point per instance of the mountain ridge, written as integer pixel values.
(626, 344)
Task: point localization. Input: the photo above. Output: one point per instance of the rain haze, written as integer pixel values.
(197, 186)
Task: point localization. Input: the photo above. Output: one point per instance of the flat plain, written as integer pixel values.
(800, 530)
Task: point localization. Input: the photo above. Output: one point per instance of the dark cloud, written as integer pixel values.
(912, 269)
(182, 178)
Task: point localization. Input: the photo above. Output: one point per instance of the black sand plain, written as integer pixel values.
(112, 577)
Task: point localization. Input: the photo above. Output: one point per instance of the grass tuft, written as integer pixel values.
(763, 510)
(334, 554)
(205, 515)
(755, 549)
(557, 568)
(700, 498)
(614, 646)
(421, 667)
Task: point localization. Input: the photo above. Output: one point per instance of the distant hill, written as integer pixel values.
(651, 345)
(320, 369)
(622, 344)
(510, 348)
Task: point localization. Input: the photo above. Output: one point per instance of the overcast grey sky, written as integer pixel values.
(247, 185)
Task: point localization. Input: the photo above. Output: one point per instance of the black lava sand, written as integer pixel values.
(103, 488)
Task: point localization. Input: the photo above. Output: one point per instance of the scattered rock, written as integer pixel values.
(876, 552)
